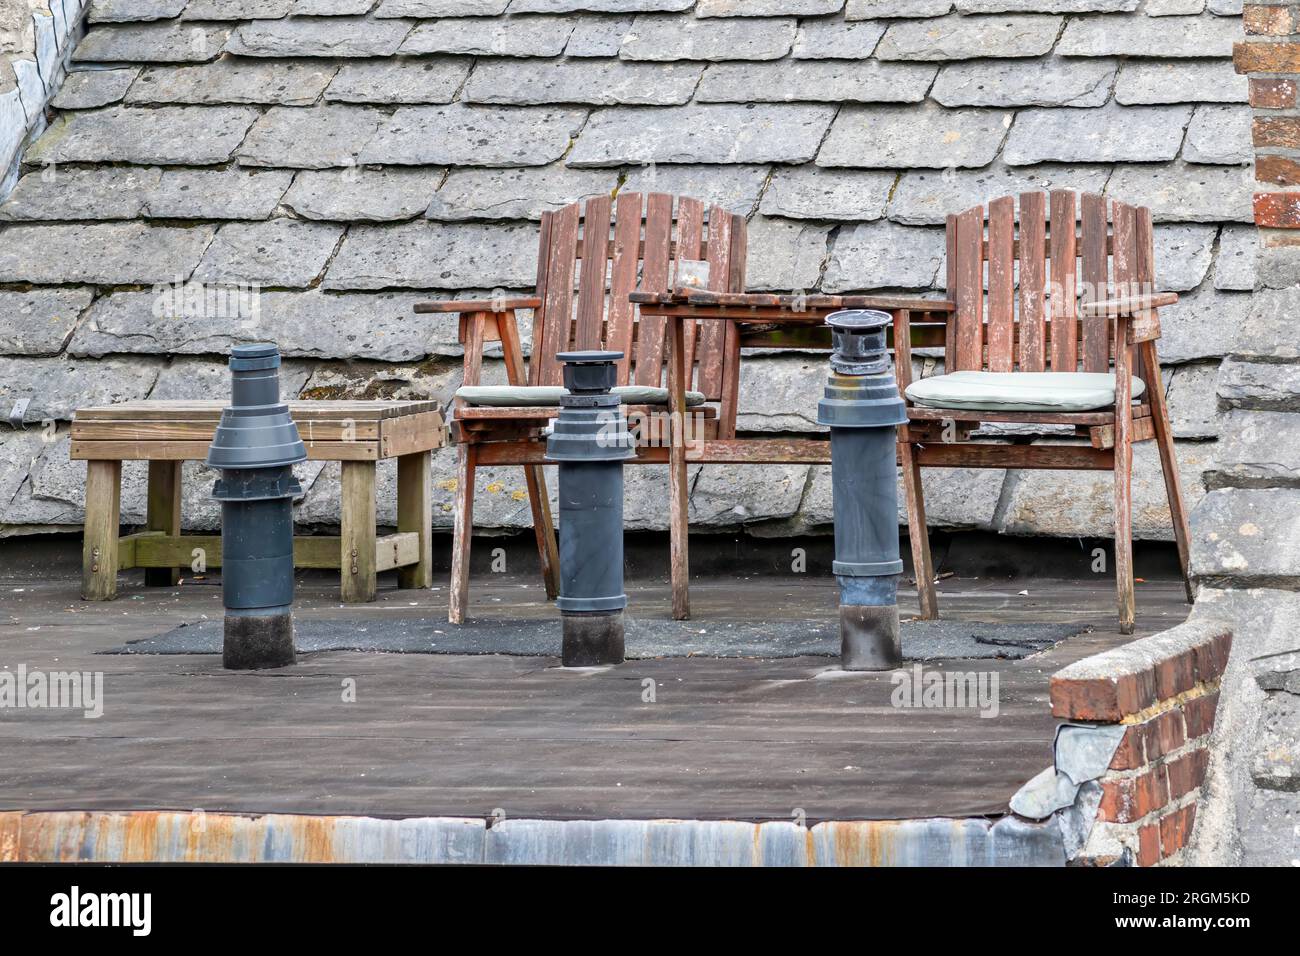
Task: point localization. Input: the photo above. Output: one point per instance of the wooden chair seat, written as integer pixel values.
(534, 396)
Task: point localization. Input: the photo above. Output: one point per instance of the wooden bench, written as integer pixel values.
(356, 433)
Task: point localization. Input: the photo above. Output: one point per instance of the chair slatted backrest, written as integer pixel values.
(593, 254)
(1018, 280)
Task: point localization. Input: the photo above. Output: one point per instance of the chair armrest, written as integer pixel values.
(479, 305)
(1129, 305)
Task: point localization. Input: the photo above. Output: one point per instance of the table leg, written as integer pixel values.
(357, 543)
(164, 514)
(415, 513)
(679, 516)
(99, 542)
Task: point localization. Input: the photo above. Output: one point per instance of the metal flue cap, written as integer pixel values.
(858, 341)
(590, 372)
(256, 430)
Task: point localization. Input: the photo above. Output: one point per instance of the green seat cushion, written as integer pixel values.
(1019, 391)
(528, 396)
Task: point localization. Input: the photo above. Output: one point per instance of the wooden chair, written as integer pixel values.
(591, 256)
(1050, 290)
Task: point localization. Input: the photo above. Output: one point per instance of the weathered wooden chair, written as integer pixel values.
(1039, 311)
(591, 256)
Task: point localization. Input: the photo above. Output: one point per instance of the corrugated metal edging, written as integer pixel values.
(184, 837)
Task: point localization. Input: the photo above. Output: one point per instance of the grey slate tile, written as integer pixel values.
(59, 386)
(1043, 82)
(281, 252)
(669, 37)
(129, 11)
(767, 8)
(126, 253)
(925, 197)
(313, 137)
(849, 81)
(702, 134)
(1234, 267)
(238, 9)
(363, 194)
(784, 256)
(809, 192)
(87, 89)
(169, 135)
(304, 324)
(597, 36)
(884, 255)
(1220, 134)
(403, 80)
(233, 81)
(598, 6)
(164, 42)
(1108, 134)
(40, 321)
(734, 188)
(1187, 193)
(836, 39)
(462, 135)
(967, 38)
(871, 9)
(1187, 81)
(1051, 6)
(428, 9)
(1165, 37)
(910, 137)
(234, 193)
(514, 36)
(1183, 255)
(319, 36)
(523, 193)
(434, 255)
(600, 82)
(102, 192)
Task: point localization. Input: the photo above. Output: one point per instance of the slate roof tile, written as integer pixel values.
(364, 194)
(112, 253)
(163, 42)
(599, 82)
(405, 80)
(233, 81)
(476, 36)
(319, 36)
(670, 37)
(463, 135)
(169, 135)
(312, 137)
(847, 81)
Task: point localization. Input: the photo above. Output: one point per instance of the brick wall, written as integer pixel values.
(1165, 691)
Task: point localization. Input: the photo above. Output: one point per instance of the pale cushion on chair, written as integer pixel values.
(529, 396)
(1019, 391)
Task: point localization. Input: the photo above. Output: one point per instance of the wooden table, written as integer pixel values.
(356, 433)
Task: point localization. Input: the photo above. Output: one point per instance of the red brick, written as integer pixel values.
(1175, 674)
(1272, 94)
(1093, 699)
(1268, 21)
(1199, 714)
(1279, 131)
(1164, 734)
(1265, 57)
(1175, 829)
(1278, 210)
(1137, 691)
(1131, 752)
(1187, 773)
(1212, 656)
(1148, 845)
(1127, 799)
(1277, 169)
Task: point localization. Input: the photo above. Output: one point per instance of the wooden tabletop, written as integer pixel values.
(196, 411)
(812, 307)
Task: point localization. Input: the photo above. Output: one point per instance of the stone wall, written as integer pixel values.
(1247, 529)
(35, 39)
(351, 157)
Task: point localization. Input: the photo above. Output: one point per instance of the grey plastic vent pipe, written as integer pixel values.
(590, 442)
(863, 409)
(255, 447)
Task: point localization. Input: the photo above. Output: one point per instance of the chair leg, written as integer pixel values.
(922, 565)
(99, 542)
(415, 513)
(164, 514)
(1169, 468)
(548, 552)
(678, 531)
(462, 532)
(1124, 534)
(357, 583)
